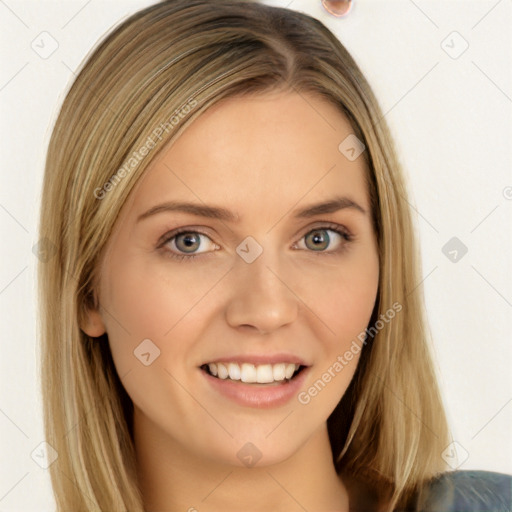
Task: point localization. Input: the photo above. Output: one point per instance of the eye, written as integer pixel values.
(182, 243)
(318, 239)
(185, 242)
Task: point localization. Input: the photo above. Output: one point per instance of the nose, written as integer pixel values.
(263, 298)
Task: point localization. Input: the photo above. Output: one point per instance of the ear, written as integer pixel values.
(92, 323)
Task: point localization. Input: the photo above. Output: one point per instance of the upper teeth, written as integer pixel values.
(247, 372)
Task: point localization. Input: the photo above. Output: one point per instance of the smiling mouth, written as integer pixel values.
(248, 373)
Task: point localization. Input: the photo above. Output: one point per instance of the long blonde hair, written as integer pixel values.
(147, 81)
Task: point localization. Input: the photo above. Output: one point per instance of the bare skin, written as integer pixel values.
(261, 157)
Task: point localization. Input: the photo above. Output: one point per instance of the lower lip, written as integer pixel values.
(262, 396)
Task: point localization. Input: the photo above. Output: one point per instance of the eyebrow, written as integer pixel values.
(216, 212)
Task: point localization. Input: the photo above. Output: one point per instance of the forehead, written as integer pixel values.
(255, 153)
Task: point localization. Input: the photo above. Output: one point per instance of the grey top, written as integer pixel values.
(470, 491)
(453, 491)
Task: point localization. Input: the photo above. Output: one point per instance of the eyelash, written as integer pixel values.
(327, 227)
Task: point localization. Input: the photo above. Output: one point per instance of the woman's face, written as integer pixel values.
(252, 282)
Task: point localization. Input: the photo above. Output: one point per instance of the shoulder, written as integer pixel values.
(469, 491)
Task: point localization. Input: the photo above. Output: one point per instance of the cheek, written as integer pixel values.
(140, 305)
(152, 299)
(345, 307)
(343, 295)
(147, 299)
(345, 303)
(145, 311)
(349, 304)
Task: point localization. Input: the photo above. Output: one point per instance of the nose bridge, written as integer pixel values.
(263, 274)
(261, 297)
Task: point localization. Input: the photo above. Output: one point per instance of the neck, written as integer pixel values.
(174, 478)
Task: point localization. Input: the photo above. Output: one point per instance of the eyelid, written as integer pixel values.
(327, 225)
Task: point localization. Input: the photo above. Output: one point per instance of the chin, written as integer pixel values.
(252, 451)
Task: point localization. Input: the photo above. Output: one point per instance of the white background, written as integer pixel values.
(452, 119)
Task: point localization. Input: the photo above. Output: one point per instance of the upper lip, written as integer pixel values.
(259, 359)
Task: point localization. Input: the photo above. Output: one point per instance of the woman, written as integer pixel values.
(232, 319)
